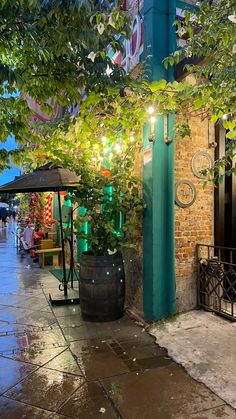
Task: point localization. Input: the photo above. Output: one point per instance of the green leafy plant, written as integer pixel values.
(111, 201)
(57, 50)
(57, 59)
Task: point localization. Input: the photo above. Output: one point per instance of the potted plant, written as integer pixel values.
(112, 206)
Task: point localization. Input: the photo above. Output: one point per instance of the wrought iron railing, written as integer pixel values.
(216, 281)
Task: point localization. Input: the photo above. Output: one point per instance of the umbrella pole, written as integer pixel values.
(64, 281)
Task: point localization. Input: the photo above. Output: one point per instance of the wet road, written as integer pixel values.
(55, 365)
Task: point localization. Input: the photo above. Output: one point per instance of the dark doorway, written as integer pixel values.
(225, 199)
(225, 219)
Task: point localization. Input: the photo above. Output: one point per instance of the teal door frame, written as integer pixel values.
(158, 173)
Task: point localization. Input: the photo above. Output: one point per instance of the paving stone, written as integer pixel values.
(65, 362)
(96, 359)
(70, 321)
(37, 356)
(220, 412)
(11, 372)
(84, 331)
(38, 318)
(45, 388)
(89, 402)
(161, 393)
(68, 310)
(26, 316)
(29, 339)
(11, 409)
(36, 303)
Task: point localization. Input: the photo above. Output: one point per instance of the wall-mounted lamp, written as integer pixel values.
(167, 138)
(211, 134)
(152, 129)
(152, 120)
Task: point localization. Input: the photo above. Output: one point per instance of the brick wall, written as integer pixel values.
(194, 224)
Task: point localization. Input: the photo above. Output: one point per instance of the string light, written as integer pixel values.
(105, 150)
(131, 138)
(117, 148)
(104, 139)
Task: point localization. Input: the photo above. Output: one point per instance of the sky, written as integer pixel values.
(9, 175)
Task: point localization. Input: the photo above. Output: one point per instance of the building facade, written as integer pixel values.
(180, 208)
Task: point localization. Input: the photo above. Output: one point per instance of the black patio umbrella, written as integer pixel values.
(47, 178)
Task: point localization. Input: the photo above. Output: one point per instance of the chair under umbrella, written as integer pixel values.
(47, 178)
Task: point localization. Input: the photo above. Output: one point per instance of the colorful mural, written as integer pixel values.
(133, 46)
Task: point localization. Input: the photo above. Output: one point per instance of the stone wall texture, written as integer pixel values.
(194, 224)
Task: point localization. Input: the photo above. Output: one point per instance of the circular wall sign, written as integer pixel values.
(201, 160)
(185, 193)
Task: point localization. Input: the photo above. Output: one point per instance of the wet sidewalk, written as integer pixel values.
(55, 365)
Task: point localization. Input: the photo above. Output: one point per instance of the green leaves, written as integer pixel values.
(158, 85)
(58, 50)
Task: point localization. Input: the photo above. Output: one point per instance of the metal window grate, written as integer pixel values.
(216, 279)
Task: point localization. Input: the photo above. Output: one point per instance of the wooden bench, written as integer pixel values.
(54, 252)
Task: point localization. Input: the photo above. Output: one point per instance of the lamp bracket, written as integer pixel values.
(151, 138)
(168, 139)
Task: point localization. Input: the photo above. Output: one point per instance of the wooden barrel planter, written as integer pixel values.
(102, 287)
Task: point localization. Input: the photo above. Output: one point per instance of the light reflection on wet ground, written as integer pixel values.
(55, 365)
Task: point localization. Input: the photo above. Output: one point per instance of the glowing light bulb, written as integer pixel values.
(131, 138)
(117, 148)
(104, 139)
(151, 110)
(152, 119)
(94, 158)
(105, 150)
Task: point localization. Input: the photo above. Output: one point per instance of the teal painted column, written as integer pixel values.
(158, 179)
